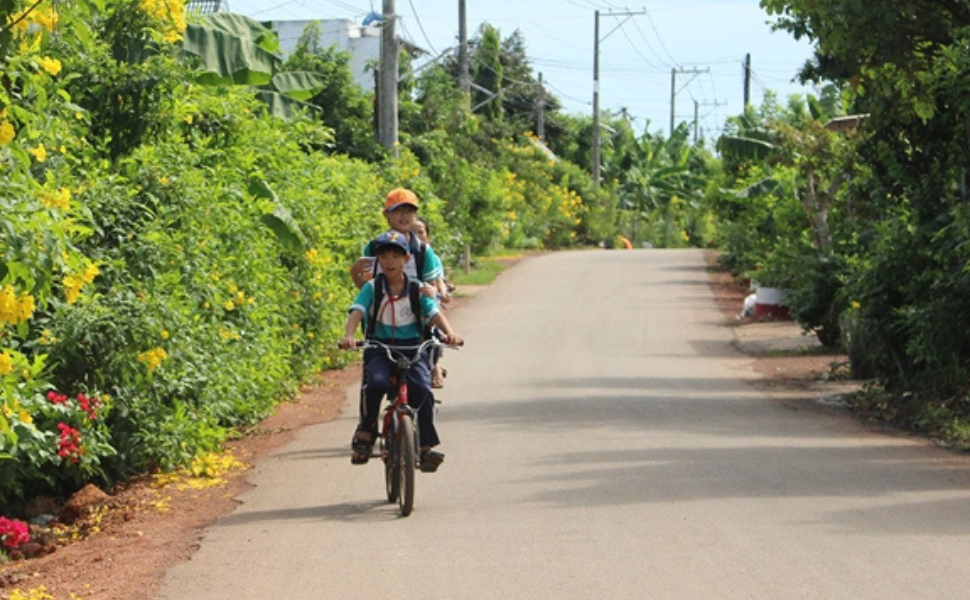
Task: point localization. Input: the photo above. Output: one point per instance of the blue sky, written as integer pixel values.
(637, 53)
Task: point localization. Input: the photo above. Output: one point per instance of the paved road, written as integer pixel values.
(602, 442)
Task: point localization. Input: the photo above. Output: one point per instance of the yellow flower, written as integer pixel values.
(229, 305)
(188, 119)
(90, 272)
(72, 288)
(40, 153)
(6, 363)
(60, 199)
(165, 334)
(855, 304)
(153, 358)
(15, 309)
(7, 133)
(44, 18)
(25, 307)
(25, 417)
(51, 65)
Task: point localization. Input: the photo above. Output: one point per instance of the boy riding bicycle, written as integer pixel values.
(394, 314)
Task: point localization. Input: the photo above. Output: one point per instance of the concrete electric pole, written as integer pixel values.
(464, 78)
(387, 123)
(673, 90)
(596, 83)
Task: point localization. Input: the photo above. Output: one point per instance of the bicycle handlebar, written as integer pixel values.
(429, 343)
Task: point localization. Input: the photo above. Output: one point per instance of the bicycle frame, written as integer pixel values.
(402, 364)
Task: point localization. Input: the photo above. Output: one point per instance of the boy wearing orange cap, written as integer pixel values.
(400, 210)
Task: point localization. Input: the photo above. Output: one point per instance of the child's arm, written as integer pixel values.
(441, 323)
(350, 329)
(443, 294)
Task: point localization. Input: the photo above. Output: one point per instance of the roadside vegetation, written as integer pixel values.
(175, 237)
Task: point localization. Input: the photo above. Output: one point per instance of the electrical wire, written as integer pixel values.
(421, 27)
(659, 39)
(650, 46)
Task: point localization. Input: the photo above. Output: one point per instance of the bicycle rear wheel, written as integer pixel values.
(407, 457)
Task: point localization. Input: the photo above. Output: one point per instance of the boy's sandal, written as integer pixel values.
(438, 383)
(430, 460)
(361, 450)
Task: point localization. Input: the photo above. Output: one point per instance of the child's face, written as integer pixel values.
(401, 218)
(421, 231)
(392, 262)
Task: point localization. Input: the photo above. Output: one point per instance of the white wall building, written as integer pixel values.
(362, 42)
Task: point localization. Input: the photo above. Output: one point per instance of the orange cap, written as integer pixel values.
(400, 196)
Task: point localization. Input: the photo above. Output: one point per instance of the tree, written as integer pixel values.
(488, 75)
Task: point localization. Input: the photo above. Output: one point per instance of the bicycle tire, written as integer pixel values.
(392, 474)
(406, 459)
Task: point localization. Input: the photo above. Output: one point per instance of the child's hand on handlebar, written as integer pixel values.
(347, 343)
(452, 339)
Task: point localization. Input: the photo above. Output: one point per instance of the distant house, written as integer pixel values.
(362, 42)
(845, 124)
(207, 7)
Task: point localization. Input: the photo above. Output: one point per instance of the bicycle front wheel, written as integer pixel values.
(406, 459)
(392, 474)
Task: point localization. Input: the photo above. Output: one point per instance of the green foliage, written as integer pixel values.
(344, 108)
(487, 74)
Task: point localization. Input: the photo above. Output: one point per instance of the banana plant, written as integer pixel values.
(658, 171)
(808, 146)
(231, 49)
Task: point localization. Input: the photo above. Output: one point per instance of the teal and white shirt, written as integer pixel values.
(395, 321)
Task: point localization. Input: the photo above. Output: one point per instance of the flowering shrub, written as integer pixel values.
(54, 439)
(13, 533)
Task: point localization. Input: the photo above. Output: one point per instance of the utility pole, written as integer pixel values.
(596, 100)
(596, 83)
(697, 106)
(697, 119)
(387, 104)
(541, 125)
(747, 80)
(673, 89)
(464, 78)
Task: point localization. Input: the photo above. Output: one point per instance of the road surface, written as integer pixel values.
(603, 441)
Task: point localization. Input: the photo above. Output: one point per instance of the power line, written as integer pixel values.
(659, 39)
(637, 50)
(421, 27)
(650, 46)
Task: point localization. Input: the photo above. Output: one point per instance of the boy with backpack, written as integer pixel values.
(394, 312)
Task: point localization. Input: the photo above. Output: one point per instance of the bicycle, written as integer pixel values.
(399, 440)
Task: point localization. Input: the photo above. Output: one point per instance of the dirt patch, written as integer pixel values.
(147, 529)
(787, 358)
